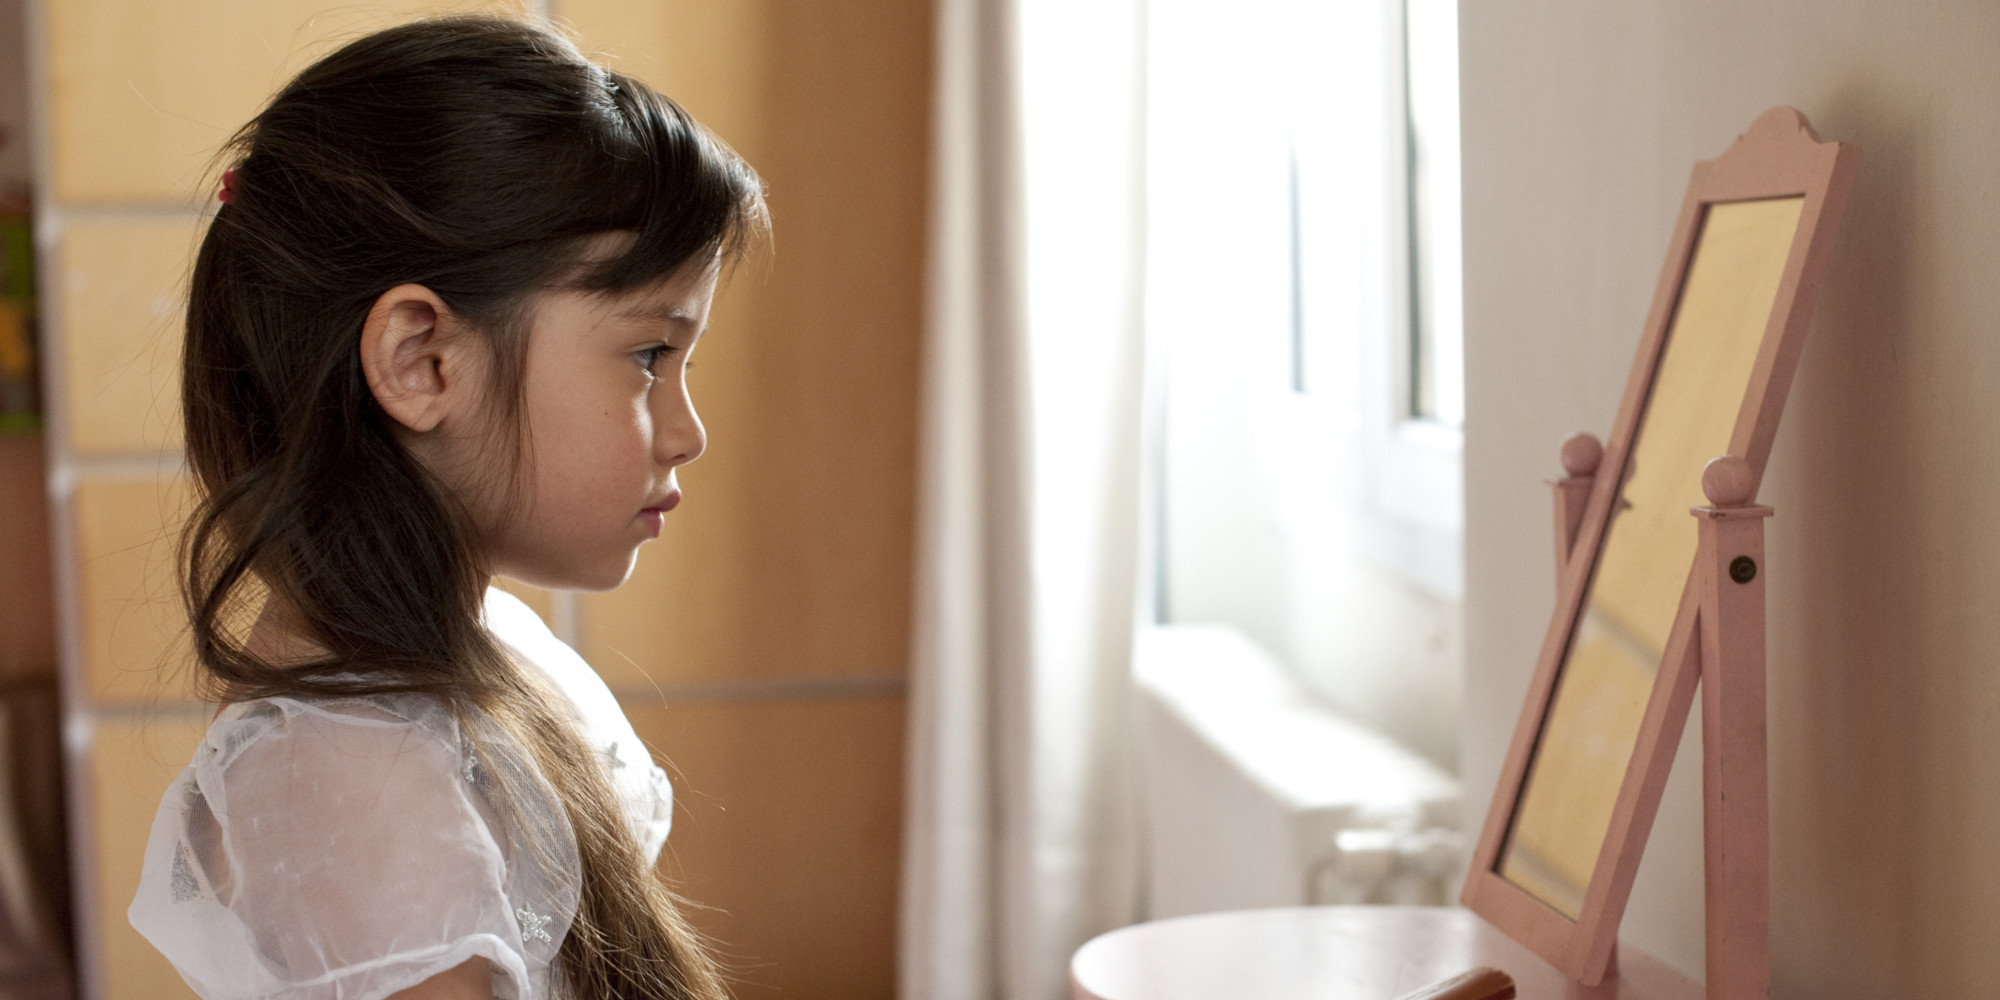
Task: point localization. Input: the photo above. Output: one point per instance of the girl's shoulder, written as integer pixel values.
(402, 723)
(282, 752)
(354, 846)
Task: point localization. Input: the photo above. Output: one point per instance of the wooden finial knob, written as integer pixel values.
(1581, 454)
(1728, 481)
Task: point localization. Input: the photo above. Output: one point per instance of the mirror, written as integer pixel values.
(1617, 644)
(1621, 658)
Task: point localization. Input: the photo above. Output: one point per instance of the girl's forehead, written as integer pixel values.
(680, 299)
(682, 296)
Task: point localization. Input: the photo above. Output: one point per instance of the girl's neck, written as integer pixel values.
(279, 636)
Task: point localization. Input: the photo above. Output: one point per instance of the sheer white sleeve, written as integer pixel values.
(344, 850)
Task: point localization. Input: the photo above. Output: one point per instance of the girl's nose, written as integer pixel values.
(679, 436)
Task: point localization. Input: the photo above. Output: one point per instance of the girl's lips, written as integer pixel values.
(655, 517)
(673, 499)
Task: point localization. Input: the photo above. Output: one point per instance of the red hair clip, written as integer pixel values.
(228, 192)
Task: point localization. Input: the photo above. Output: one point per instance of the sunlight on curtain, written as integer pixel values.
(1082, 127)
(1018, 843)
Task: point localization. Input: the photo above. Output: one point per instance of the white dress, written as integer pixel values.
(344, 849)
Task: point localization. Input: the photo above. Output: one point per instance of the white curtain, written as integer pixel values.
(1019, 828)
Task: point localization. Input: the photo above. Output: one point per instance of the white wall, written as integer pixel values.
(1581, 123)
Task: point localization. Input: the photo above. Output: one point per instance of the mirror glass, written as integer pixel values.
(1614, 652)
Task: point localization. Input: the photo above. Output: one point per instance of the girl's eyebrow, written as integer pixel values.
(677, 315)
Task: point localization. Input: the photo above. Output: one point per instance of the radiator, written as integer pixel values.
(1258, 796)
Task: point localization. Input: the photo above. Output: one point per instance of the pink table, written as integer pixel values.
(1335, 953)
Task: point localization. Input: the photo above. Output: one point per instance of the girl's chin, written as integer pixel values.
(607, 575)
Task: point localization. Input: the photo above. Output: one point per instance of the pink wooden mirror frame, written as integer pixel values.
(1779, 156)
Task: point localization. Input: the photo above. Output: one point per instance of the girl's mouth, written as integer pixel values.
(667, 503)
(655, 517)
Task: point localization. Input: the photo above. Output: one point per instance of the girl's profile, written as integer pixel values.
(437, 332)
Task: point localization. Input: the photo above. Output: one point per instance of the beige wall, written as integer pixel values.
(1581, 122)
(760, 648)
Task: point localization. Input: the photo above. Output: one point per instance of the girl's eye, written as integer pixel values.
(649, 358)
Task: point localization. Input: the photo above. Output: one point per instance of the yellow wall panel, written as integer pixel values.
(791, 554)
(124, 296)
(132, 761)
(143, 93)
(714, 59)
(786, 834)
(134, 631)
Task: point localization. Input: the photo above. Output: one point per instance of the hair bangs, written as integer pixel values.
(682, 193)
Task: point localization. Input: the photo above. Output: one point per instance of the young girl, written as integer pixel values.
(436, 333)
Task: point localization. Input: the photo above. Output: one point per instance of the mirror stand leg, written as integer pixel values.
(1735, 815)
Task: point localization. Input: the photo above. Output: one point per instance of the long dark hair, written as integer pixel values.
(476, 156)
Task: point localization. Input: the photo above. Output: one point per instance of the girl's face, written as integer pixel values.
(607, 421)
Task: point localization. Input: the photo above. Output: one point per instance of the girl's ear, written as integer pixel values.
(416, 357)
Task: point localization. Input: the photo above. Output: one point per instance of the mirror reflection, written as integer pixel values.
(1607, 675)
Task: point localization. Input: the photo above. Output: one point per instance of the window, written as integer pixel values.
(1303, 292)
(1436, 330)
